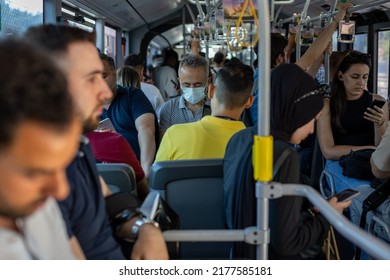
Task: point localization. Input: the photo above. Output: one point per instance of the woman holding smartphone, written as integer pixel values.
(295, 234)
(348, 123)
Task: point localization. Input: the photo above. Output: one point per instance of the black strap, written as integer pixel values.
(280, 161)
(206, 110)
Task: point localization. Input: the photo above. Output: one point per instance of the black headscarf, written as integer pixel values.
(288, 83)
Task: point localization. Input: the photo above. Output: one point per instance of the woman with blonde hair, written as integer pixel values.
(128, 77)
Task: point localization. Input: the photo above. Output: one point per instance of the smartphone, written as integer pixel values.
(378, 103)
(346, 195)
(106, 125)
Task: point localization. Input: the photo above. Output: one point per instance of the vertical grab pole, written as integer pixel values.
(263, 144)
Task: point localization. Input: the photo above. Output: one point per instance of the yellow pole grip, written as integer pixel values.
(262, 158)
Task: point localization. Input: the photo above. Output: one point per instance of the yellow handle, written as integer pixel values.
(262, 157)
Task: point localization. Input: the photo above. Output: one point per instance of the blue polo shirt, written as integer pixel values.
(129, 104)
(84, 210)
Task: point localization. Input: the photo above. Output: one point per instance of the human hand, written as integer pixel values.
(339, 206)
(342, 11)
(375, 115)
(150, 244)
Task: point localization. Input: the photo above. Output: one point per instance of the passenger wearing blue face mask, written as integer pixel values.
(229, 95)
(190, 105)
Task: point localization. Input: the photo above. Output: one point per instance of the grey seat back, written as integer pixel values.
(120, 177)
(194, 190)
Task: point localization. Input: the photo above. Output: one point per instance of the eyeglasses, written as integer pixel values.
(325, 90)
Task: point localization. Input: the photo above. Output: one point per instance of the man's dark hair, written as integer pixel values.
(233, 84)
(170, 53)
(219, 57)
(32, 88)
(278, 46)
(109, 59)
(194, 61)
(57, 38)
(134, 60)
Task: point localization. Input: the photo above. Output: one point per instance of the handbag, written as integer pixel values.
(357, 164)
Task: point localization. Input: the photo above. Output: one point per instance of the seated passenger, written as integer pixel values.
(347, 123)
(133, 117)
(39, 134)
(111, 147)
(84, 210)
(295, 106)
(150, 90)
(128, 77)
(207, 138)
(281, 51)
(190, 106)
(380, 163)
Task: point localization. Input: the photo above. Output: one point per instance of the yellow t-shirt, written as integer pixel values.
(206, 138)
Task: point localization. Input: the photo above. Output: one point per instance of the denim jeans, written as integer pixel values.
(342, 182)
(382, 212)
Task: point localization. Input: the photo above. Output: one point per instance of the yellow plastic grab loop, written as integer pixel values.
(262, 157)
(231, 47)
(240, 23)
(252, 12)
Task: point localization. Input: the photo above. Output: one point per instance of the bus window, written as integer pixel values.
(360, 43)
(110, 41)
(18, 15)
(383, 63)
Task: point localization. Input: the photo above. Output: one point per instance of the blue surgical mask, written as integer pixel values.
(193, 95)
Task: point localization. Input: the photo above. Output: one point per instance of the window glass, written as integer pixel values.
(109, 41)
(360, 43)
(18, 15)
(383, 63)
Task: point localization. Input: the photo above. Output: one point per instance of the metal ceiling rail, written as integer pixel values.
(283, 2)
(350, 10)
(299, 31)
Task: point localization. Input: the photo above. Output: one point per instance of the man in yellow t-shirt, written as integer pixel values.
(207, 138)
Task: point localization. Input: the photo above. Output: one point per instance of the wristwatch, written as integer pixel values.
(122, 217)
(139, 223)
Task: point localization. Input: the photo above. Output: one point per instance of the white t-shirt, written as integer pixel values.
(165, 78)
(154, 96)
(42, 236)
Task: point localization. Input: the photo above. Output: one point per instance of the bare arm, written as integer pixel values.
(319, 45)
(195, 47)
(150, 244)
(377, 172)
(380, 159)
(313, 69)
(325, 137)
(142, 188)
(105, 190)
(76, 248)
(146, 139)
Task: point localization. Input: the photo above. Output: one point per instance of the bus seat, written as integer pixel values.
(120, 177)
(194, 190)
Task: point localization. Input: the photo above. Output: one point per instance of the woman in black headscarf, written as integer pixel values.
(295, 105)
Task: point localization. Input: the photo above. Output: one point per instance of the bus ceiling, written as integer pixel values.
(161, 22)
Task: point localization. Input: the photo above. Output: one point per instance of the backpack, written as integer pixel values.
(239, 190)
